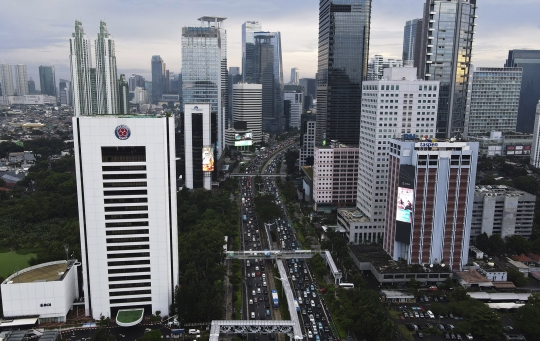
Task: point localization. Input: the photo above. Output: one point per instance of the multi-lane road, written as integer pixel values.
(257, 297)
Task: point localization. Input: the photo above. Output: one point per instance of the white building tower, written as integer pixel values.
(6, 80)
(106, 74)
(21, 80)
(80, 64)
(247, 107)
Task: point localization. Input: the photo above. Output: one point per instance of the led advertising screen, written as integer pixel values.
(405, 199)
(208, 159)
(243, 139)
(405, 203)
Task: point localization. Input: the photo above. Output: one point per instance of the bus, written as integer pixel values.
(296, 305)
(275, 299)
(346, 285)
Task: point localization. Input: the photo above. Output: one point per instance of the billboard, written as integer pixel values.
(405, 203)
(243, 139)
(518, 150)
(208, 159)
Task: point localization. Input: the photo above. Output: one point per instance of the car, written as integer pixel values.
(310, 334)
(258, 273)
(258, 285)
(250, 301)
(323, 290)
(416, 315)
(252, 274)
(447, 336)
(318, 305)
(313, 294)
(264, 284)
(303, 311)
(267, 312)
(252, 315)
(312, 318)
(317, 315)
(468, 336)
(255, 300)
(420, 335)
(196, 331)
(451, 316)
(258, 291)
(406, 315)
(317, 338)
(312, 303)
(266, 298)
(257, 268)
(452, 336)
(458, 337)
(449, 327)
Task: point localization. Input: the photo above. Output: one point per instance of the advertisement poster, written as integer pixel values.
(208, 160)
(405, 199)
(243, 139)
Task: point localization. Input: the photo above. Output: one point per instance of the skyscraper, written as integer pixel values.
(247, 108)
(158, 78)
(409, 41)
(6, 80)
(248, 50)
(295, 76)
(529, 61)
(123, 95)
(235, 77)
(21, 80)
(494, 100)
(344, 27)
(64, 88)
(135, 81)
(445, 55)
(535, 153)
(204, 67)
(47, 80)
(31, 86)
(80, 72)
(106, 74)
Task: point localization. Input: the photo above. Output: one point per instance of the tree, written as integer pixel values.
(517, 278)
(518, 245)
(154, 335)
(496, 244)
(482, 242)
(413, 284)
(102, 334)
(527, 184)
(459, 294)
(448, 283)
(485, 323)
(266, 209)
(525, 316)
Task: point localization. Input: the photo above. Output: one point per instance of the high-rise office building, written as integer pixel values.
(21, 80)
(377, 65)
(445, 55)
(31, 87)
(295, 76)
(47, 80)
(126, 185)
(344, 27)
(106, 73)
(6, 80)
(409, 41)
(235, 77)
(307, 139)
(64, 88)
(269, 73)
(135, 81)
(535, 153)
(204, 70)
(430, 197)
(296, 102)
(310, 86)
(247, 109)
(158, 78)
(494, 100)
(80, 64)
(390, 109)
(529, 61)
(248, 50)
(123, 95)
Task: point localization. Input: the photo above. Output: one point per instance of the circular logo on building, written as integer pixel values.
(122, 132)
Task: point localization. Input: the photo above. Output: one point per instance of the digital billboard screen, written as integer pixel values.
(405, 199)
(405, 203)
(243, 139)
(208, 159)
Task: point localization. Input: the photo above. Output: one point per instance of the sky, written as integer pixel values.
(37, 33)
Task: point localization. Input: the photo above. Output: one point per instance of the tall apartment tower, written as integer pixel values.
(21, 80)
(247, 108)
(344, 27)
(395, 106)
(295, 76)
(296, 100)
(529, 61)
(65, 92)
(248, 50)
(31, 87)
(409, 41)
(535, 153)
(307, 139)
(47, 80)
(494, 101)
(445, 55)
(6, 80)
(106, 73)
(431, 188)
(204, 70)
(123, 96)
(126, 185)
(158, 78)
(80, 64)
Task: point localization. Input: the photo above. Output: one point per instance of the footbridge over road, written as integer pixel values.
(258, 174)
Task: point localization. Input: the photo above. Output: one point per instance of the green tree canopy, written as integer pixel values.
(496, 244)
(526, 317)
(518, 245)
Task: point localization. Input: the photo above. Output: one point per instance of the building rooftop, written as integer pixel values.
(472, 277)
(308, 170)
(52, 271)
(353, 215)
(383, 263)
(497, 190)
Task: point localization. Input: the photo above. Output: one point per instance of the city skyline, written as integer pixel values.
(43, 41)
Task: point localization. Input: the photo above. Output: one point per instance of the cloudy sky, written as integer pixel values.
(36, 32)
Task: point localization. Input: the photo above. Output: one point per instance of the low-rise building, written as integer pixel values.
(360, 229)
(502, 210)
(504, 144)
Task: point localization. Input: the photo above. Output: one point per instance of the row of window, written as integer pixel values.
(126, 208)
(122, 232)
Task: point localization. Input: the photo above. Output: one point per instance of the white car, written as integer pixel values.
(310, 334)
(312, 303)
(469, 336)
(252, 315)
(194, 331)
(312, 318)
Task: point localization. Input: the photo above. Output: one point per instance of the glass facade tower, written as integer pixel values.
(248, 49)
(445, 55)
(344, 27)
(529, 61)
(409, 41)
(47, 80)
(158, 78)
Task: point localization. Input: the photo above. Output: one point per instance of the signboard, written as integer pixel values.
(518, 150)
(405, 203)
(208, 159)
(243, 139)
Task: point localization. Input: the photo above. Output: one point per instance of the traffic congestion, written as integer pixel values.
(260, 299)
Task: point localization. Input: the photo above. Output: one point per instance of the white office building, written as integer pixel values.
(6, 80)
(535, 153)
(247, 108)
(307, 137)
(296, 100)
(140, 96)
(295, 76)
(397, 105)
(21, 80)
(126, 185)
(106, 74)
(80, 64)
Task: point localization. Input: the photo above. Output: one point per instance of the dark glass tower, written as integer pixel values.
(529, 61)
(47, 80)
(158, 78)
(344, 27)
